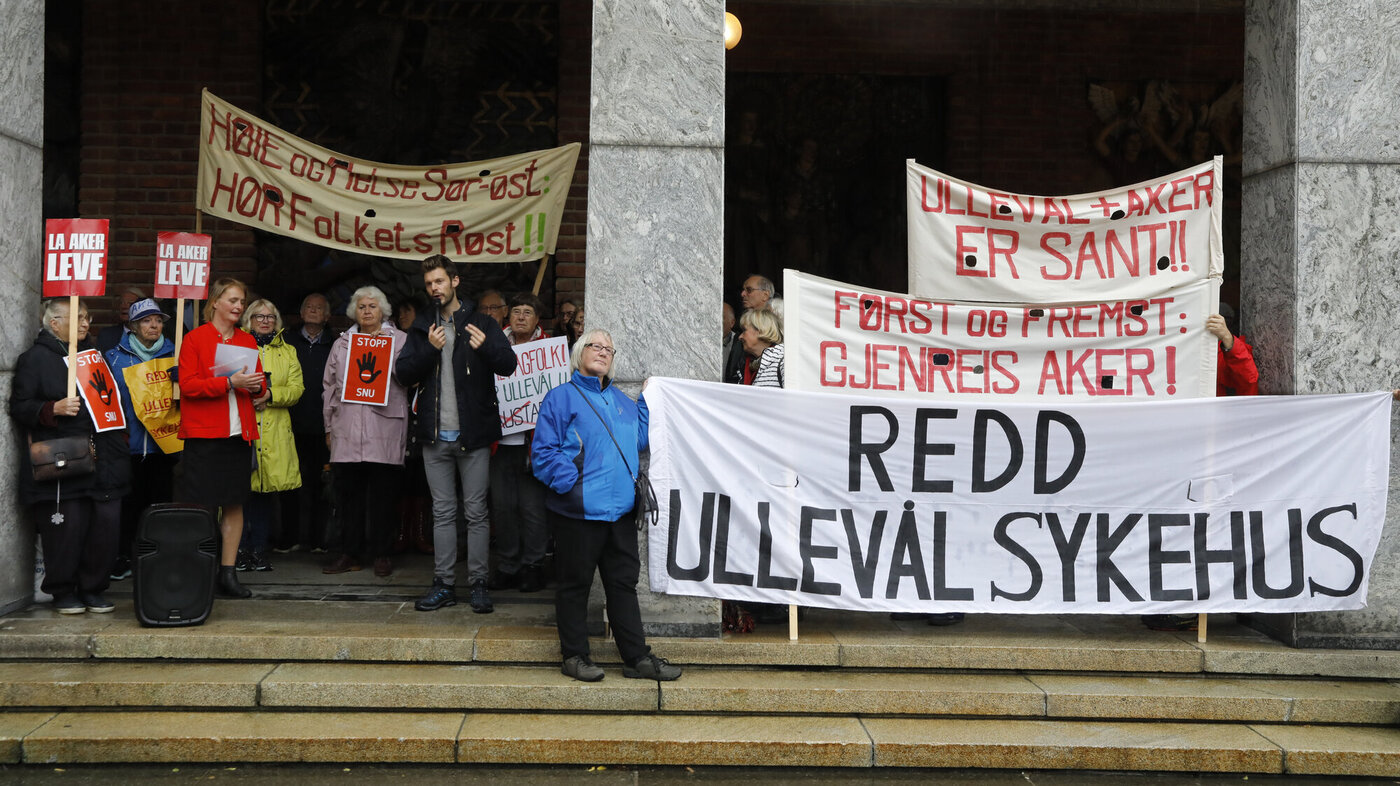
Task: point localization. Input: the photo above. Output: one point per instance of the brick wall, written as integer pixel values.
(143, 66)
(575, 69)
(1018, 116)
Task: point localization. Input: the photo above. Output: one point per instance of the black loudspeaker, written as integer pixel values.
(176, 557)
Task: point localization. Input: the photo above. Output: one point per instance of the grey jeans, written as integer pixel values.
(443, 464)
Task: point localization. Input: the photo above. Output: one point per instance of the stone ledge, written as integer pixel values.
(106, 737)
(89, 683)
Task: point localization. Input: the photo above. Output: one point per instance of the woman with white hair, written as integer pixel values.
(588, 437)
(277, 467)
(367, 441)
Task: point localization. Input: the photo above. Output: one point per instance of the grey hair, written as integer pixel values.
(307, 299)
(576, 356)
(369, 291)
(56, 308)
(765, 284)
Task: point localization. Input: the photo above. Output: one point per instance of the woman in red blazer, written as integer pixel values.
(218, 390)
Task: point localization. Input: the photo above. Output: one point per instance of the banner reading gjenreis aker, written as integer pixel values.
(1267, 504)
(967, 242)
(846, 339)
(502, 210)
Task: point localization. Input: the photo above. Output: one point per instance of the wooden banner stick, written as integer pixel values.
(72, 346)
(1201, 628)
(792, 622)
(539, 276)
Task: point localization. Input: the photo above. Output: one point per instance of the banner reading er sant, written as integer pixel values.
(75, 257)
(505, 209)
(971, 243)
(99, 391)
(1247, 504)
(846, 339)
(369, 365)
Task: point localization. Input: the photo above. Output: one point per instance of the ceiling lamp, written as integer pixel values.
(733, 31)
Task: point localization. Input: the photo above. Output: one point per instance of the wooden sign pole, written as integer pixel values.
(72, 346)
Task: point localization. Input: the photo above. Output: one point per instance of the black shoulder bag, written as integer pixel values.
(645, 506)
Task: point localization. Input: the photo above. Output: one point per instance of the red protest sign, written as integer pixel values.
(99, 391)
(369, 363)
(75, 257)
(182, 265)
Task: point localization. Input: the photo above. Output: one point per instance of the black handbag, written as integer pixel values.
(645, 507)
(62, 458)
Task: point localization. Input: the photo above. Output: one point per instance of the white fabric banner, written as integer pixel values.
(505, 209)
(844, 339)
(1250, 504)
(967, 242)
(541, 366)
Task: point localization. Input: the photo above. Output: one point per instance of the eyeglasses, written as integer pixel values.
(602, 350)
(501, 307)
(264, 317)
(522, 311)
(750, 290)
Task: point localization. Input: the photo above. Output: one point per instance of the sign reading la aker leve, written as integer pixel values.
(1249, 504)
(182, 265)
(75, 257)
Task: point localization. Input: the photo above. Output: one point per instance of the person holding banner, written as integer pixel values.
(365, 408)
(588, 439)
(143, 347)
(277, 467)
(220, 375)
(78, 517)
(762, 339)
(516, 496)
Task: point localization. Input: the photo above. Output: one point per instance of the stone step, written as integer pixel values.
(713, 690)
(823, 741)
(282, 631)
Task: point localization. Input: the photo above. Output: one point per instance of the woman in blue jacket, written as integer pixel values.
(587, 439)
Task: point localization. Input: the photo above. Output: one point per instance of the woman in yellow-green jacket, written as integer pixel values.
(277, 468)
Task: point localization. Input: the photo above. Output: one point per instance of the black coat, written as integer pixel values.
(41, 377)
(474, 372)
(306, 413)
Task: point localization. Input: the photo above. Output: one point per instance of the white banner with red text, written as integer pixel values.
(846, 339)
(968, 242)
(1249, 504)
(502, 210)
(540, 366)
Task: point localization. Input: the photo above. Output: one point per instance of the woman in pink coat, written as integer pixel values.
(366, 440)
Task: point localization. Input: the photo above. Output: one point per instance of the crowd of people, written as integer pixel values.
(261, 414)
(258, 433)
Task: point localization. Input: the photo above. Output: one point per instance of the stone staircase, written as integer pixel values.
(374, 681)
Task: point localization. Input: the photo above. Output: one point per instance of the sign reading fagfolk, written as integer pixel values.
(967, 242)
(75, 257)
(846, 339)
(540, 367)
(1249, 504)
(182, 265)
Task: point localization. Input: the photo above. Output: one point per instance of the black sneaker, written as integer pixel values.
(69, 604)
(481, 598)
(121, 569)
(244, 562)
(582, 669)
(95, 603)
(439, 596)
(530, 579)
(652, 668)
(945, 618)
(258, 561)
(503, 581)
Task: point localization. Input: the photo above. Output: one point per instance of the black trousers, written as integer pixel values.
(367, 499)
(610, 547)
(80, 548)
(152, 482)
(304, 512)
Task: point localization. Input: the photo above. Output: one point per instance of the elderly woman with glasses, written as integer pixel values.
(762, 338)
(588, 438)
(367, 441)
(277, 467)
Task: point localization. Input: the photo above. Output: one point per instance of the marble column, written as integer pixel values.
(655, 211)
(1320, 238)
(21, 236)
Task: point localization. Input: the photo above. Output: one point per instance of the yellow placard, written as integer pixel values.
(154, 403)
